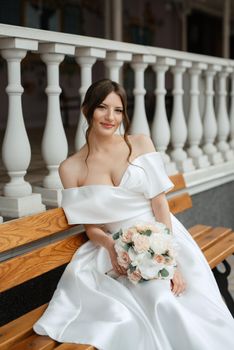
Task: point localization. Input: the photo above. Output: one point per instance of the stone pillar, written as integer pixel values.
(178, 123)
(54, 141)
(18, 199)
(194, 119)
(232, 112)
(85, 57)
(139, 123)
(117, 20)
(222, 116)
(209, 120)
(160, 127)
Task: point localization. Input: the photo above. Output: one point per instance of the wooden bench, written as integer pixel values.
(55, 247)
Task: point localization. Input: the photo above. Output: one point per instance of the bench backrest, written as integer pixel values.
(40, 243)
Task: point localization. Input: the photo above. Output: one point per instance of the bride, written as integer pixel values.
(113, 182)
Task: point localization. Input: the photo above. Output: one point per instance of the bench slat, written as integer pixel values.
(36, 342)
(30, 265)
(178, 181)
(180, 203)
(14, 331)
(219, 252)
(198, 230)
(16, 233)
(212, 237)
(67, 346)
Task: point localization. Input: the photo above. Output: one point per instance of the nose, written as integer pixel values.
(110, 114)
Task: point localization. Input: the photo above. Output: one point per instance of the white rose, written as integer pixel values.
(149, 269)
(160, 243)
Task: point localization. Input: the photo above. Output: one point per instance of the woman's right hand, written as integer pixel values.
(113, 256)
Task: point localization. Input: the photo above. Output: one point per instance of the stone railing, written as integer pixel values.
(198, 141)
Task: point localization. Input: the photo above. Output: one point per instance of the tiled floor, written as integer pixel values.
(37, 171)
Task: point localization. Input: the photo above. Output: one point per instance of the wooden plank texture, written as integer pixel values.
(217, 253)
(199, 230)
(212, 237)
(16, 233)
(178, 181)
(36, 342)
(27, 266)
(180, 203)
(67, 346)
(19, 329)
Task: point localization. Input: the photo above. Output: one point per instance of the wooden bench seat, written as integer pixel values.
(42, 242)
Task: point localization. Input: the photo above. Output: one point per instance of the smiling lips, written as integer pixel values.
(108, 126)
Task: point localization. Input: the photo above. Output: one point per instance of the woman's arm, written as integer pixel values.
(100, 237)
(161, 209)
(162, 213)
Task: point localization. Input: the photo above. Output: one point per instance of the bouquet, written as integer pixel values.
(146, 251)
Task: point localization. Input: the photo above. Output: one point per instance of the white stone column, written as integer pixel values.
(232, 112)
(222, 116)
(139, 123)
(194, 119)
(54, 141)
(18, 199)
(85, 57)
(113, 62)
(178, 124)
(160, 129)
(209, 120)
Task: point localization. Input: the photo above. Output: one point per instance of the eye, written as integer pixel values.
(101, 107)
(119, 111)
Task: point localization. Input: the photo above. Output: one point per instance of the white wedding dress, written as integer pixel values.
(91, 307)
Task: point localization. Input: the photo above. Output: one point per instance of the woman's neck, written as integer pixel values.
(102, 144)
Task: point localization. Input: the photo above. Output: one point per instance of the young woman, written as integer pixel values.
(114, 182)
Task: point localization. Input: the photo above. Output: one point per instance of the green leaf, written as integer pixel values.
(164, 273)
(116, 235)
(146, 232)
(126, 247)
(132, 268)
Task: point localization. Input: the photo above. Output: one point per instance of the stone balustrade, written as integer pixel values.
(196, 139)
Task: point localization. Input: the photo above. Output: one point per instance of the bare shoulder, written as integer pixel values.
(141, 144)
(69, 170)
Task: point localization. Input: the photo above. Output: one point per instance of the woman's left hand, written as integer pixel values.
(178, 284)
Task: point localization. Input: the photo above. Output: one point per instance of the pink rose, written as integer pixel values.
(159, 259)
(123, 259)
(127, 235)
(141, 243)
(134, 276)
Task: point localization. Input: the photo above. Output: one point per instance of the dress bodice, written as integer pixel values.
(144, 178)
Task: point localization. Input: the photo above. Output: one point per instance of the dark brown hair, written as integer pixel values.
(95, 95)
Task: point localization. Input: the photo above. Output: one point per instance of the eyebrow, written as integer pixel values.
(102, 103)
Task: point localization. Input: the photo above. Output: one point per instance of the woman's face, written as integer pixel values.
(108, 115)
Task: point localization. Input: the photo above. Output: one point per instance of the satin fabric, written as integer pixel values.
(90, 307)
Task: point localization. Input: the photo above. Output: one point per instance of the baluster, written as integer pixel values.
(85, 57)
(222, 116)
(194, 120)
(18, 199)
(54, 141)
(209, 120)
(160, 127)
(113, 62)
(232, 111)
(178, 124)
(139, 123)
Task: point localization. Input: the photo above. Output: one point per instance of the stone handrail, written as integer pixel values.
(198, 141)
